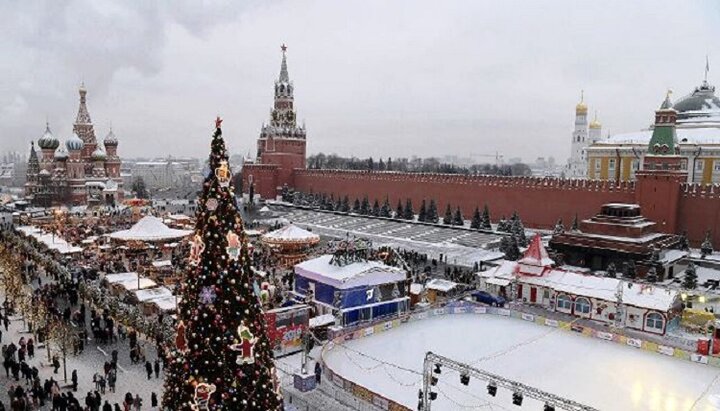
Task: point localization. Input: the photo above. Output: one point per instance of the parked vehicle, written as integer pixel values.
(489, 299)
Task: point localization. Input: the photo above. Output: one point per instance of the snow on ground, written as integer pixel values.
(598, 373)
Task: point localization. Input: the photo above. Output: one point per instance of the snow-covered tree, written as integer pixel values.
(629, 270)
(408, 212)
(385, 210)
(376, 207)
(458, 217)
(684, 244)
(690, 278)
(345, 208)
(475, 222)
(611, 271)
(706, 248)
(518, 231)
(503, 226)
(485, 222)
(432, 213)
(512, 250)
(559, 227)
(365, 206)
(652, 276)
(399, 211)
(422, 213)
(448, 215)
(356, 206)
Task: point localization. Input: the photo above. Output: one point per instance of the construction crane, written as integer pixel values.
(434, 363)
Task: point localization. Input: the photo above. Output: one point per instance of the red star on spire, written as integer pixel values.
(218, 122)
(283, 48)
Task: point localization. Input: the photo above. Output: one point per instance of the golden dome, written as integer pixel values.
(595, 123)
(581, 107)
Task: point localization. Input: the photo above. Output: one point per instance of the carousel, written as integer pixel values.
(149, 246)
(291, 244)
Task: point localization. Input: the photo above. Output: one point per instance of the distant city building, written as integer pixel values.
(162, 174)
(79, 172)
(619, 157)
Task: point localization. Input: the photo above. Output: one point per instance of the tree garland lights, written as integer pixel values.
(222, 359)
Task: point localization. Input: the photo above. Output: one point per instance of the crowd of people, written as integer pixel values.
(54, 283)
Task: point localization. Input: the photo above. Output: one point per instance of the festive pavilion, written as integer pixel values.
(291, 243)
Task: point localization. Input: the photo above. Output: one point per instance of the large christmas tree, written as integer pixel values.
(222, 359)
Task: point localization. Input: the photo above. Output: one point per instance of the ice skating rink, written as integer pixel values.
(602, 374)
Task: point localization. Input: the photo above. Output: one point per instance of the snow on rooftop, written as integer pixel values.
(695, 134)
(152, 293)
(129, 281)
(416, 288)
(536, 254)
(53, 242)
(291, 233)
(321, 320)
(150, 228)
(361, 273)
(603, 288)
(163, 263)
(439, 284)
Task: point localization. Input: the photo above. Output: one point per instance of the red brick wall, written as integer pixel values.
(265, 178)
(699, 210)
(540, 201)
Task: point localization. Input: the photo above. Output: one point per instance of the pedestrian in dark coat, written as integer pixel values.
(149, 369)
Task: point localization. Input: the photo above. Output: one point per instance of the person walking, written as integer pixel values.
(74, 379)
(148, 369)
(137, 403)
(153, 399)
(157, 368)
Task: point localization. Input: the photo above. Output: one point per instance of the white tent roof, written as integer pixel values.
(291, 233)
(151, 294)
(150, 228)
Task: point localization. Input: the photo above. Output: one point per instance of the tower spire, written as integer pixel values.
(707, 68)
(284, 78)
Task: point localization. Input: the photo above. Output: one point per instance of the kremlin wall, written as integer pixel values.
(662, 192)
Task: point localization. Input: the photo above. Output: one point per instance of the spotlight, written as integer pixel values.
(517, 398)
(433, 396)
(437, 369)
(492, 389)
(549, 407)
(464, 379)
(433, 380)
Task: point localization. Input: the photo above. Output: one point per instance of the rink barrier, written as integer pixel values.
(338, 337)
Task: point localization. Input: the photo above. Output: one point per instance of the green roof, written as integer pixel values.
(663, 140)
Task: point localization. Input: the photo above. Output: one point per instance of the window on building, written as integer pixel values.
(564, 302)
(611, 164)
(716, 165)
(635, 165)
(654, 322)
(699, 165)
(582, 305)
(597, 165)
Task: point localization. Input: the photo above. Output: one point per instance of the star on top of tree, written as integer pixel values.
(218, 122)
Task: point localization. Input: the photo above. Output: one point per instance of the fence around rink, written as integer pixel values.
(464, 307)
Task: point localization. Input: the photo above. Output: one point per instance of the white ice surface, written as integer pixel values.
(602, 374)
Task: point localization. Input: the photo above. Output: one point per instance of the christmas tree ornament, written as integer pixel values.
(245, 346)
(223, 174)
(203, 392)
(197, 246)
(211, 204)
(233, 248)
(207, 296)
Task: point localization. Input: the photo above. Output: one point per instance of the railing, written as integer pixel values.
(339, 337)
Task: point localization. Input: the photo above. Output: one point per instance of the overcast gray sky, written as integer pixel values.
(396, 78)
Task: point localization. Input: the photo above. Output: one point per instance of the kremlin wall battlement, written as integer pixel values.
(539, 201)
(660, 188)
